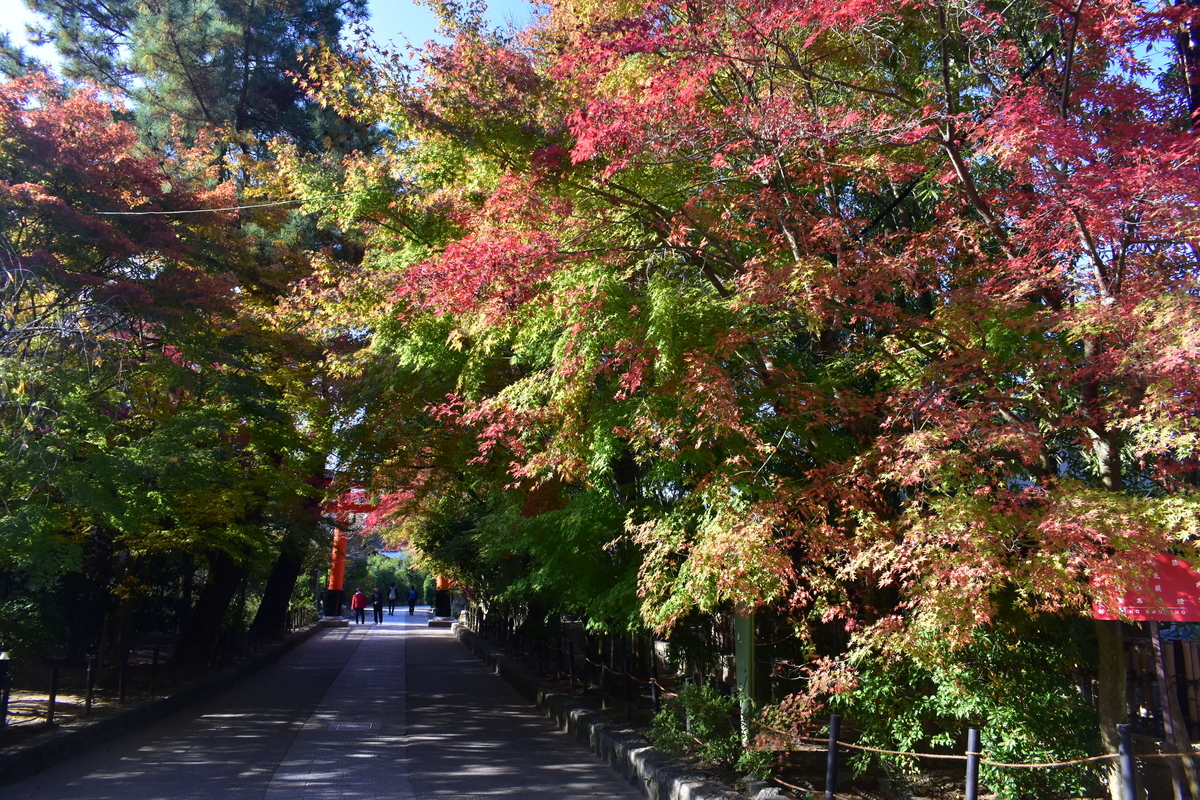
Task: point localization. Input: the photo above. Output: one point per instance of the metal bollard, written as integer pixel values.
(1128, 768)
(122, 679)
(972, 764)
(89, 690)
(53, 694)
(687, 714)
(831, 759)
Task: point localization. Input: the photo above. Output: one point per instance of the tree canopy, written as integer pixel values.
(880, 318)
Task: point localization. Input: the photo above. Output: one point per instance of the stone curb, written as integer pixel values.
(48, 749)
(660, 777)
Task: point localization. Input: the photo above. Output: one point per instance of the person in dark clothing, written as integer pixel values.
(391, 599)
(358, 604)
(377, 604)
(412, 601)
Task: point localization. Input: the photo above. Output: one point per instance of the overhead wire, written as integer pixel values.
(215, 210)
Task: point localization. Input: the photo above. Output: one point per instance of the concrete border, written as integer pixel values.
(629, 753)
(47, 749)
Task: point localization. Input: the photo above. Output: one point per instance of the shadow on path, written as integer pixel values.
(396, 711)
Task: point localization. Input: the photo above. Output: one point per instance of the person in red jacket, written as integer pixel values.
(358, 604)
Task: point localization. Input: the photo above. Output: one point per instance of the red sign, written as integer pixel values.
(1171, 595)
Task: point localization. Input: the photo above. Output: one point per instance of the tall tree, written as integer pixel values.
(216, 76)
(151, 411)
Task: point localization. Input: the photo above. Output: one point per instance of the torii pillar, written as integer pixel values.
(335, 591)
(352, 501)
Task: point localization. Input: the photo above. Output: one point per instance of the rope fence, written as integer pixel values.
(557, 656)
(563, 653)
(955, 757)
(973, 758)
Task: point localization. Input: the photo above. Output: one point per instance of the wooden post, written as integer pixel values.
(53, 694)
(744, 663)
(1111, 683)
(1190, 675)
(123, 679)
(1170, 715)
(653, 679)
(628, 690)
(90, 687)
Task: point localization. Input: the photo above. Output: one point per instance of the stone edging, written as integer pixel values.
(660, 777)
(45, 750)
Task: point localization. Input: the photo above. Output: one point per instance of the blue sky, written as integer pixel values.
(394, 21)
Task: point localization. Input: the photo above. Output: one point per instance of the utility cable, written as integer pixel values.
(214, 210)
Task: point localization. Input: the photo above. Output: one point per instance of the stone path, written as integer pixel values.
(354, 744)
(397, 711)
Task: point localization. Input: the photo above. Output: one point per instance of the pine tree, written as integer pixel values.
(200, 62)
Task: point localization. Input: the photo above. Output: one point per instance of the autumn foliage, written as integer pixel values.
(882, 316)
(878, 318)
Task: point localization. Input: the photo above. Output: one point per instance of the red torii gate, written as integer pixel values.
(352, 501)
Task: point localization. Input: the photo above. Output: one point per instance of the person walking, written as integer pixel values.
(358, 604)
(412, 601)
(377, 605)
(391, 599)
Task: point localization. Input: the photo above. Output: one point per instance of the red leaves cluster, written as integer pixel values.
(902, 279)
(508, 250)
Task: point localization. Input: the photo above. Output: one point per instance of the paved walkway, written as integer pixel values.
(396, 711)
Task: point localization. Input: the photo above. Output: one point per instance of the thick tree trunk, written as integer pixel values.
(199, 637)
(272, 611)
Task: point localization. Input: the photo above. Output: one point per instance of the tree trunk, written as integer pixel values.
(199, 637)
(1110, 695)
(272, 611)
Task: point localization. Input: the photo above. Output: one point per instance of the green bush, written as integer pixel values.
(706, 724)
(1012, 682)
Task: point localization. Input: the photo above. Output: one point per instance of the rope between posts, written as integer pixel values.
(946, 757)
(988, 761)
(613, 672)
(617, 674)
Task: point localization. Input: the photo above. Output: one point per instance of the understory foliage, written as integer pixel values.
(1011, 682)
(704, 722)
(882, 315)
